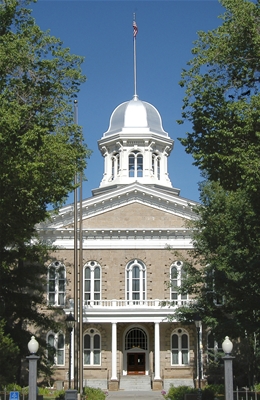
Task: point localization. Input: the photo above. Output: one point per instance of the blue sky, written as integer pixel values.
(101, 31)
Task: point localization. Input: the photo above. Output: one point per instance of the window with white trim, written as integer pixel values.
(136, 280)
(56, 286)
(56, 348)
(180, 347)
(92, 347)
(156, 165)
(92, 282)
(135, 164)
(177, 275)
(115, 165)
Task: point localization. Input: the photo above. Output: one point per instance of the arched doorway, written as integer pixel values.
(136, 351)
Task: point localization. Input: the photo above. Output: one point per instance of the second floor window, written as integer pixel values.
(56, 284)
(136, 280)
(178, 274)
(92, 282)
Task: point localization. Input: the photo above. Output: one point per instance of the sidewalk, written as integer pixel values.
(122, 395)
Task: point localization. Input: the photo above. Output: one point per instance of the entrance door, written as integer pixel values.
(136, 363)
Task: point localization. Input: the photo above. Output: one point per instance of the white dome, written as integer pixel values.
(135, 114)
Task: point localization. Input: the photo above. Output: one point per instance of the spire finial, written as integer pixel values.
(135, 31)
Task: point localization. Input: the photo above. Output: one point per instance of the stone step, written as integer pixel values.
(177, 382)
(96, 383)
(130, 383)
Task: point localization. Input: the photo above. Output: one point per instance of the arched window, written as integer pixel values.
(56, 284)
(135, 165)
(92, 282)
(115, 165)
(55, 348)
(92, 347)
(178, 274)
(156, 166)
(136, 281)
(136, 337)
(180, 347)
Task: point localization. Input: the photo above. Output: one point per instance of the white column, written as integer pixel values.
(157, 363)
(114, 351)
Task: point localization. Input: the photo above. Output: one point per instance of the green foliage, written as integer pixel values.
(41, 147)
(216, 389)
(60, 395)
(8, 354)
(93, 394)
(41, 151)
(222, 98)
(178, 393)
(222, 102)
(17, 388)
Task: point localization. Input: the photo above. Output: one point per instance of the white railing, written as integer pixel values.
(156, 303)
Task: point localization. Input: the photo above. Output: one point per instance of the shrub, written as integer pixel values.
(257, 387)
(94, 394)
(178, 393)
(60, 395)
(217, 389)
(208, 394)
(13, 387)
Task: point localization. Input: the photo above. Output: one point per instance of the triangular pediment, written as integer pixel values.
(134, 216)
(129, 206)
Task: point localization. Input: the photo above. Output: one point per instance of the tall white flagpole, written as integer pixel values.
(135, 31)
(76, 330)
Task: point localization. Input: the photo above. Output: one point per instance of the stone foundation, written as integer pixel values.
(157, 384)
(113, 386)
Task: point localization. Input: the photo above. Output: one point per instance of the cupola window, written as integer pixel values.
(156, 166)
(135, 166)
(115, 165)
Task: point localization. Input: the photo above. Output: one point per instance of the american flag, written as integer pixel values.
(135, 28)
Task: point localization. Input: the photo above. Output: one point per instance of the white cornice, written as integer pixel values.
(165, 200)
(120, 239)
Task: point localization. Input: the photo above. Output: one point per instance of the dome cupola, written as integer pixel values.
(135, 147)
(133, 115)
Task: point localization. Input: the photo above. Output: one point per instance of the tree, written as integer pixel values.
(41, 147)
(8, 354)
(223, 271)
(41, 151)
(222, 102)
(222, 98)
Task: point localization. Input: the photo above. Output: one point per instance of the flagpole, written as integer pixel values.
(76, 330)
(135, 30)
(81, 350)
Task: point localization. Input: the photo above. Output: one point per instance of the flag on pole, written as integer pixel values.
(135, 28)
